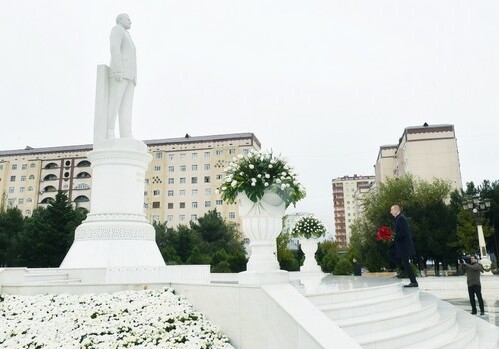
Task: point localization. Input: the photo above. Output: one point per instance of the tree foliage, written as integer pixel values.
(212, 240)
(41, 240)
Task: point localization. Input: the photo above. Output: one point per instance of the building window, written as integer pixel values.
(12, 178)
(32, 165)
(194, 180)
(182, 192)
(155, 204)
(194, 204)
(171, 168)
(183, 168)
(219, 152)
(28, 211)
(182, 180)
(21, 201)
(156, 192)
(207, 179)
(171, 180)
(194, 155)
(155, 218)
(159, 155)
(194, 217)
(30, 188)
(157, 168)
(194, 167)
(232, 151)
(169, 218)
(14, 167)
(24, 166)
(11, 190)
(220, 176)
(1, 167)
(182, 205)
(171, 157)
(31, 177)
(146, 205)
(21, 190)
(246, 152)
(219, 202)
(207, 155)
(207, 167)
(146, 181)
(207, 191)
(170, 205)
(232, 215)
(194, 192)
(170, 193)
(207, 204)
(29, 200)
(181, 217)
(11, 202)
(182, 156)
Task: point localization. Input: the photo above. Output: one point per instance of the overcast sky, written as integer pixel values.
(322, 82)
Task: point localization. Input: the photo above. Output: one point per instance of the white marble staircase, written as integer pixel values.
(389, 316)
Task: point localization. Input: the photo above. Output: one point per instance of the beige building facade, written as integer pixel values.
(427, 152)
(180, 183)
(347, 198)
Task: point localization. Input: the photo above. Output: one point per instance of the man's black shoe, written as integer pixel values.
(412, 284)
(482, 313)
(473, 313)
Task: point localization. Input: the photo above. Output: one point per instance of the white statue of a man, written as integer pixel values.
(123, 78)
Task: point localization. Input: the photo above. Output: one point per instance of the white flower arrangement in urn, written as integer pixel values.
(258, 172)
(309, 230)
(263, 185)
(308, 227)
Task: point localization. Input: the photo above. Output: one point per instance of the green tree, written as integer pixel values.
(11, 224)
(211, 240)
(288, 260)
(47, 236)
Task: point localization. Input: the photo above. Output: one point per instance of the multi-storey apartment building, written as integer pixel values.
(180, 183)
(347, 196)
(427, 152)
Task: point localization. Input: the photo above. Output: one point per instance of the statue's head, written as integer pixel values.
(124, 20)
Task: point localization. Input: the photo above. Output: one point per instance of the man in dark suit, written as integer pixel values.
(403, 245)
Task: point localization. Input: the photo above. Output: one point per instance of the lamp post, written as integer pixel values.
(479, 207)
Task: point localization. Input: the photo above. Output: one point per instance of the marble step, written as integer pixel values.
(368, 306)
(441, 323)
(356, 294)
(403, 316)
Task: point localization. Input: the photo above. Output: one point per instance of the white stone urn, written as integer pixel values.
(309, 247)
(261, 224)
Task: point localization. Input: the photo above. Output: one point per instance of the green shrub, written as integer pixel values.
(329, 261)
(343, 267)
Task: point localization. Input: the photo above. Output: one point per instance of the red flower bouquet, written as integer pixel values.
(384, 234)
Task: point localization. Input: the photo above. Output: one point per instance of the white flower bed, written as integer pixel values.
(129, 319)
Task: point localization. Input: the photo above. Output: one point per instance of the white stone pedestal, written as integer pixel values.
(309, 247)
(116, 232)
(262, 223)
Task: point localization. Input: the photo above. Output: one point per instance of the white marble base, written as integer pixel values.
(311, 280)
(263, 278)
(116, 233)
